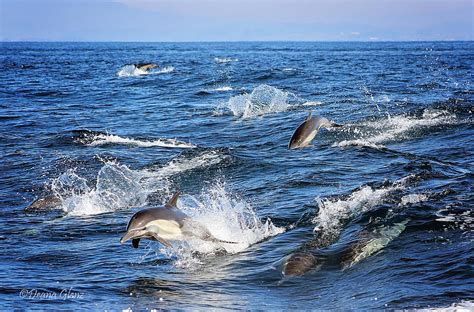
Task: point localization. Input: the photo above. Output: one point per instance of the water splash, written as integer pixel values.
(227, 217)
(264, 99)
(119, 187)
(333, 213)
(116, 187)
(164, 70)
(133, 71)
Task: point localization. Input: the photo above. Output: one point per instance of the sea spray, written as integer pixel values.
(227, 217)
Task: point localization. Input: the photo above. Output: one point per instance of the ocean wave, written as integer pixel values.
(333, 213)
(119, 187)
(374, 133)
(98, 139)
(264, 99)
(227, 217)
(223, 60)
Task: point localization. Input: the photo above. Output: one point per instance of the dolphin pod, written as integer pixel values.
(306, 132)
(164, 224)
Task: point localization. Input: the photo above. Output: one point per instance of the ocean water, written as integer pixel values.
(384, 203)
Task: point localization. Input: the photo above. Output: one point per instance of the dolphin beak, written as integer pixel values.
(131, 234)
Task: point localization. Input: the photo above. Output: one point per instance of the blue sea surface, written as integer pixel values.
(383, 204)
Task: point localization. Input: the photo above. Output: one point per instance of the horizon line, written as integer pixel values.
(228, 41)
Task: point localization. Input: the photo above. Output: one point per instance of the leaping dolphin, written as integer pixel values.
(306, 132)
(164, 224)
(145, 66)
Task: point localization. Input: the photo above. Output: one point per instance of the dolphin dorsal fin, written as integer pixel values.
(309, 115)
(172, 202)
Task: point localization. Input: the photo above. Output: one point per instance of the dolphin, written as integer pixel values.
(371, 242)
(299, 263)
(44, 203)
(145, 66)
(366, 244)
(306, 132)
(164, 224)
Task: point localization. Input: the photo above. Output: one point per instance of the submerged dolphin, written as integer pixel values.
(370, 243)
(306, 132)
(145, 66)
(165, 223)
(299, 263)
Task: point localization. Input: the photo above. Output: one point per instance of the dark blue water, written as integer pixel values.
(391, 190)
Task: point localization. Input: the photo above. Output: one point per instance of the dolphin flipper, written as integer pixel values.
(161, 240)
(135, 242)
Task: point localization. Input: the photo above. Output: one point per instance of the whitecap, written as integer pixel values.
(223, 60)
(104, 139)
(413, 199)
(375, 133)
(312, 103)
(223, 89)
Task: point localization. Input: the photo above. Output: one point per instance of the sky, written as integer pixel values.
(236, 20)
